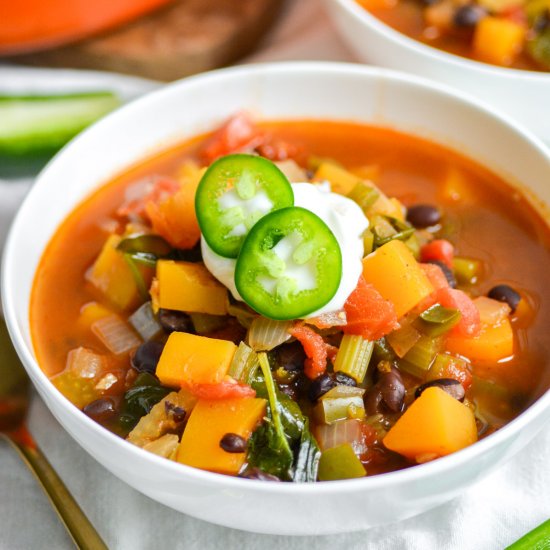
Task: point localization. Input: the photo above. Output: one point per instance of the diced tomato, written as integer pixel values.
(440, 249)
(469, 324)
(457, 370)
(516, 14)
(435, 275)
(159, 191)
(277, 150)
(315, 349)
(227, 389)
(368, 313)
(173, 216)
(237, 134)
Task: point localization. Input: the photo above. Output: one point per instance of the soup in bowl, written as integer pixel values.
(313, 304)
(395, 35)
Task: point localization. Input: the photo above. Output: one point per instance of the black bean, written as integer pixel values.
(291, 356)
(505, 293)
(344, 379)
(100, 410)
(177, 413)
(423, 215)
(320, 386)
(468, 16)
(392, 390)
(174, 321)
(233, 443)
(453, 387)
(446, 271)
(256, 473)
(147, 357)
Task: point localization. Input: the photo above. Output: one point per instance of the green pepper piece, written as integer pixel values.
(340, 463)
(290, 264)
(234, 193)
(437, 319)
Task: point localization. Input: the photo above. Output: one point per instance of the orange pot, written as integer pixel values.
(27, 25)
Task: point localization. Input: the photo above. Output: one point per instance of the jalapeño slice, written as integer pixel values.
(234, 193)
(290, 264)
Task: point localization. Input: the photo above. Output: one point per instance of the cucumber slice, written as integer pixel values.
(32, 126)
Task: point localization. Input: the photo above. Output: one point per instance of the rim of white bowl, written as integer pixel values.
(333, 70)
(433, 53)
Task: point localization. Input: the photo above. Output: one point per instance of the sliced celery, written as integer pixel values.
(420, 357)
(445, 363)
(265, 334)
(204, 323)
(364, 194)
(244, 364)
(466, 270)
(382, 351)
(437, 320)
(413, 245)
(341, 391)
(328, 411)
(368, 242)
(403, 339)
(340, 463)
(387, 228)
(354, 356)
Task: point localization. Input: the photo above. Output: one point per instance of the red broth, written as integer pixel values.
(484, 217)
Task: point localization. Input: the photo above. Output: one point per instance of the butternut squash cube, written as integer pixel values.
(190, 287)
(341, 181)
(435, 425)
(113, 277)
(209, 422)
(394, 272)
(92, 312)
(493, 343)
(190, 359)
(498, 40)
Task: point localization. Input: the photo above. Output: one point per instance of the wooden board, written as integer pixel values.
(186, 37)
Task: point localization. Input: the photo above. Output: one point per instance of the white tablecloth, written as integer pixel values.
(491, 515)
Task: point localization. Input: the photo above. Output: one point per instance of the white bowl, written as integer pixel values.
(525, 95)
(283, 91)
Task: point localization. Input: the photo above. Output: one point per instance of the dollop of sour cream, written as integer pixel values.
(345, 219)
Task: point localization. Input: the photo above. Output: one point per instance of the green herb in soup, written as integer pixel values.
(299, 302)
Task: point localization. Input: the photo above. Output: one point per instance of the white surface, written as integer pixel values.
(523, 94)
(491, 515)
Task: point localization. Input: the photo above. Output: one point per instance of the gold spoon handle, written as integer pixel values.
(78, 525)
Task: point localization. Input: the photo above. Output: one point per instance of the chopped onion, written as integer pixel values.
(115, 334)
(145, 323)
(291, 170)
(330, 319)
(165, 446)
(491, 312)
(403, 339)
(341, 391)
(84, 363)
(266, 334)
(108, 381)
(338, 433)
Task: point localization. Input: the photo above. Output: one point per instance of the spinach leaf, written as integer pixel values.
(307, 457)
(140, 399)
(283, 445)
